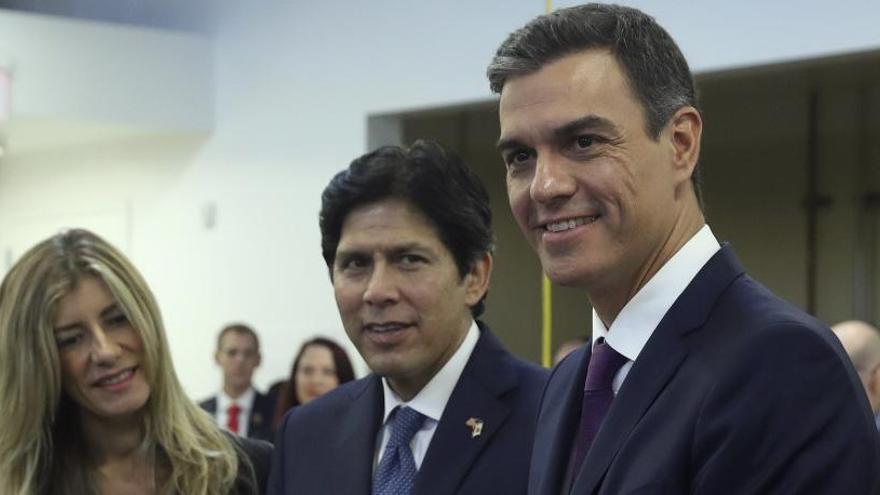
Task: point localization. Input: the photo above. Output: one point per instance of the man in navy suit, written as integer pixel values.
(698, 379)
(239, 407)
(406, 234)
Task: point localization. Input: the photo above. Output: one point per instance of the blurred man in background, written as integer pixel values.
(862, 343)
(239, 407)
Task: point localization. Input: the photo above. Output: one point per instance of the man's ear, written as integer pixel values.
(477, 280)
(217, 356)
(686, 128)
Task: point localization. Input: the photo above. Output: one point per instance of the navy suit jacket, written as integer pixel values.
(260, 422)
(736, 392)
(328, 445)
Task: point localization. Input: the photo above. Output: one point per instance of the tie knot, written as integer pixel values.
(407, 422)
(234, 409)
(605, 362)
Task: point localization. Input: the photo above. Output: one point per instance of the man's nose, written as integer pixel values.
(240, 356)
(382, 286)
(552, 181)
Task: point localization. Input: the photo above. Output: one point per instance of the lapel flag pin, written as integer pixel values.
(476, 426)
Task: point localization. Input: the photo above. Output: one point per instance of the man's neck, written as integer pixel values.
(233, 391)
(408, 386)
(608, 301)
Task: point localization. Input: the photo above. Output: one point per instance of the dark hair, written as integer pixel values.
(656, 69)
(241, 329)
(287, 396)
(436, 181)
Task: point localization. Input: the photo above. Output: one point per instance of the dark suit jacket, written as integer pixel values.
(260, 422)
(259, 455)
(736, 392)
(328, 445)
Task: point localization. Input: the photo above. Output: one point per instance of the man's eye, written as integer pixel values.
(584, 142)
(355, 263)
(518, 157)
(412, 259)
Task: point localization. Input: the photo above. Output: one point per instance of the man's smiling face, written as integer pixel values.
(590, 189)
(402, 300)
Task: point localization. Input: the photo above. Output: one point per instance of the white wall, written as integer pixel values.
(105, 73)
(293, 84)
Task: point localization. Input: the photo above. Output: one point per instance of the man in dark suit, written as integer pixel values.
(239, 407)
(406, 234)
(698, 380)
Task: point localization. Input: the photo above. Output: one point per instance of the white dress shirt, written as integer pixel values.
(637, 320)
(430, 401)
(245, 401)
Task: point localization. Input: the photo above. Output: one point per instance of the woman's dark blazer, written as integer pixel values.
(259, 453)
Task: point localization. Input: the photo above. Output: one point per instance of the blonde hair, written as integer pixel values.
(199, 457)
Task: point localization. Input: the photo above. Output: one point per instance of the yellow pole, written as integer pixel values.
(546, 292)
(546, 321)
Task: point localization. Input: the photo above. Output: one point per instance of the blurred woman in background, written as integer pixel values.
(90, 400)
(320, 366)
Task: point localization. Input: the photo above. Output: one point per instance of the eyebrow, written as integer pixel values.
(410, 246)
(103, 314)
(393, 250)
(587, 122)
(508, 143)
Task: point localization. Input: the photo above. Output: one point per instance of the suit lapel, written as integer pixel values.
(210, 406)
(558, 423)
(656, 365)
(259, 424)
(652, 370)
(354, 441)
(455, 446)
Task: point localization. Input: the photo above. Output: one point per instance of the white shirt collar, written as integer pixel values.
(431, 400)
(640, 316)
(244, 401)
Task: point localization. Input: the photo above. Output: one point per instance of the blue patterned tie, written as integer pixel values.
(397, 470)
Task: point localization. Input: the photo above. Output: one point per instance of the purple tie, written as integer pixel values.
(605, 362)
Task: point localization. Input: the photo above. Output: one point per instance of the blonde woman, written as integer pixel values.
(90, 401)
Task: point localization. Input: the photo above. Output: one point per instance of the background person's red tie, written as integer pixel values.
(232, 418)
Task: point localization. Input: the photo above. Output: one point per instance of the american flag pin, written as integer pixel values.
(476, 426)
